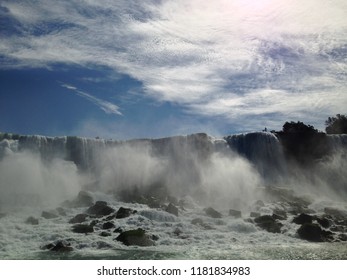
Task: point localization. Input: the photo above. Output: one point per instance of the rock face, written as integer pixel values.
(136, 237)
(124, 213)
(79, 218)
(303, 219)
(314, 233)
(212, 213)
(80, 228)
(100, 208)
(268, 223)
(172, 209)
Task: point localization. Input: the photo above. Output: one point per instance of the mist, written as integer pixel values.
(27, 181)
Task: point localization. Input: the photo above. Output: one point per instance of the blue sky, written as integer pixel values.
(133, 69)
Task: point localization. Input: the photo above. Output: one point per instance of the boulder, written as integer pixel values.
(303, 219)
(324, 222)
(61, 211)
(268, 223)
(32, 221)
(100, 208)
(49, 215)
(280, 213)
(81, 228)
(124, 213)
(314, 233)
(172, 209)
(105, 233)
(60, 246)
(235, 213)
(200, 222)
(79, 218)
(212, 213)
(136, 237)
(108, 225)
(342, 237)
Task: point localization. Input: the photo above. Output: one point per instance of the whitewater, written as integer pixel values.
(194, 197)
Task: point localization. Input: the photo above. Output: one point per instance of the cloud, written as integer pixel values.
(107, 107)
(226, 58)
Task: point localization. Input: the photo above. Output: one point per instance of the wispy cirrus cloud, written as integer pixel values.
(107, 107)
(227, 58)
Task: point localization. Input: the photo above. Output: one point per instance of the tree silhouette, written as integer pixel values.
(336, 125)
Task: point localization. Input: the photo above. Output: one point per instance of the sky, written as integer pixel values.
(154, 68)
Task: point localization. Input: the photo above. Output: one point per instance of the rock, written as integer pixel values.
(79, 218)
(105, 233)
(108, 225)
(314, 233)
(118, 230)
(172, 209)
(268, 223)
(124, 213)
(235, 213)
(84, 199)
(103, 245)
(342, 237)
(303, 219)
(49, 215)
(259, 203)
(278, 217)
(177, 232)
(254, 214)
(32, 221)
(81, 228)
(100, 208)
(212, 213)
(136, 237)
(60, 246)
(324, 222)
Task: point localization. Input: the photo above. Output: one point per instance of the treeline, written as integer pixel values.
(305, 144)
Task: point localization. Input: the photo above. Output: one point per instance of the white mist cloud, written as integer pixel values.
(232, 58)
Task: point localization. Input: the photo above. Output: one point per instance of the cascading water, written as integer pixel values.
(169, 185)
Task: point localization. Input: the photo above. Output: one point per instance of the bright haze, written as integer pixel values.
(132, 69)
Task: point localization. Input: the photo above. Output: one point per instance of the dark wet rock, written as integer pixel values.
(314, 233)
(337, 228)
(268, 223)
(79, 218)
(60, 246)
(118, 230)
(254, 214)
(303, 219)
(93, 223)
(32, 221)
(154, 202)
(105, 233)
(61, 211)
(249, 220)
(110, 217)
(136, 237)
(108, 225)
(81, 228)
(212, 213)
(278, 217)
(124, 212)
(177, 231)
(324, 222)
(155, 237)
(172, 209)
(342, 237)
(100, 208)
(49, 215)
(235, 213)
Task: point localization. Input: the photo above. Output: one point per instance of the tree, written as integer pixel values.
(336, 125)
(298, 127)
